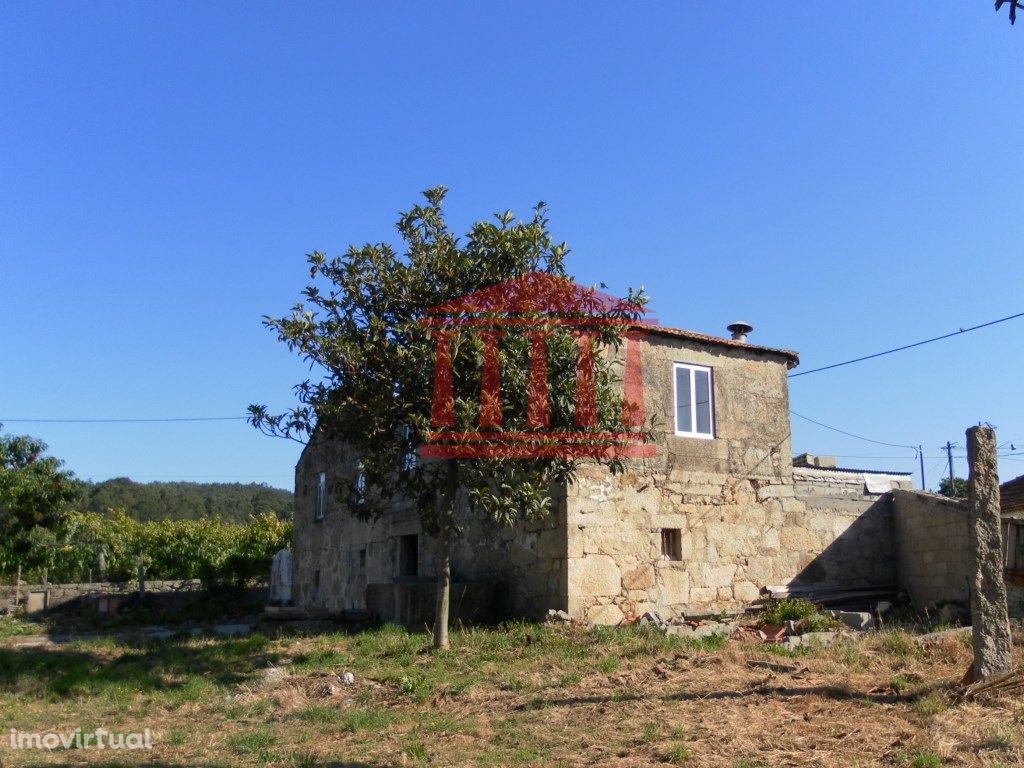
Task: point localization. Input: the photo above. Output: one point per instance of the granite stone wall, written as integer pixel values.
(742, 523)
(336, 558)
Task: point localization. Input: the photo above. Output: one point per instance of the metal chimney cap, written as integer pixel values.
(739, 330)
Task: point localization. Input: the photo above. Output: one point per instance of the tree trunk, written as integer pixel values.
(446, 523)
(444, 585)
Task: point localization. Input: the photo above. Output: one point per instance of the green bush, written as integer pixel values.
(788, 609)
(221, 554)
(797, 609)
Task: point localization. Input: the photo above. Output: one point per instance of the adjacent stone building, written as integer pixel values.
(719, 512)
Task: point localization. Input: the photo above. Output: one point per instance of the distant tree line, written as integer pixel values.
(145, 502)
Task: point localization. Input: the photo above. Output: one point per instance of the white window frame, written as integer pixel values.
(360, 485)
(410, 459)
(320, 500)
(693, 401)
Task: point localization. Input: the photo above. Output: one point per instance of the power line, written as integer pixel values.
(120, 421)
(850, 434)
(908, 346)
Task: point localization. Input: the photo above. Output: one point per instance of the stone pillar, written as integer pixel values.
(991, 625)
(281, 578)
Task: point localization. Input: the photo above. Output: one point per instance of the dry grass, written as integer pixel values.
(518, 696)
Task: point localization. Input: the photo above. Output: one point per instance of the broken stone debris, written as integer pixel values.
(860, 621)
(651, 618)
(558, 617)
(787, 635)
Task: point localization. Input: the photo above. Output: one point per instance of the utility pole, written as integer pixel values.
(949, 456)
(920, 456)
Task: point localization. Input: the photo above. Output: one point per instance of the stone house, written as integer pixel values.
(1011, 507)
(720, 511)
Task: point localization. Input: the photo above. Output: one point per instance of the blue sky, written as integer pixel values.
(846, 178)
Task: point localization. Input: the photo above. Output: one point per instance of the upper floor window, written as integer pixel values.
(360, 491)
(321, 496)
(695, 408)
(409, 456)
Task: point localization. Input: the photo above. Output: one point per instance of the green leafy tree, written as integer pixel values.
(222, 554)
(34, 492)
(957, 489)
(359, 324)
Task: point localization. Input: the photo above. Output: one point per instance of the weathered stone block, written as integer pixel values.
(638, 578)
(717, 575)
(593, 576)
(746, 591)
(675, 584)
(604, 615)
(797, 539)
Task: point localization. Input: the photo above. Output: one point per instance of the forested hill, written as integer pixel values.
(185, 501)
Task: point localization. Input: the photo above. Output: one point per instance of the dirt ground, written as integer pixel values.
(517, 695)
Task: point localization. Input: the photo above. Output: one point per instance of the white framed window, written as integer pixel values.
(361, 486)
(321, 496)
(693, 386)
(409, 458)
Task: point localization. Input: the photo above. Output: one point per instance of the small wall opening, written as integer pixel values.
(671, 544)
(408, 555)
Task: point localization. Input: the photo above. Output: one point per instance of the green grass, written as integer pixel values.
(319, 714)
(919, 758)
(999, 738)
(678, 754)
(518, 694)
(651, 733)
(365, 720)
(898, 643)
(177, 737)
(930, 705)
(12, 626)
(251, 742)
(899, 683)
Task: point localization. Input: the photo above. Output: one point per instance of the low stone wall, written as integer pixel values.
(932, 548)
(39, 598)
(60, 594)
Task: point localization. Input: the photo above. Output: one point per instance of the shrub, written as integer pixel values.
(221, 554)
(788, 609)
(796, 609)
